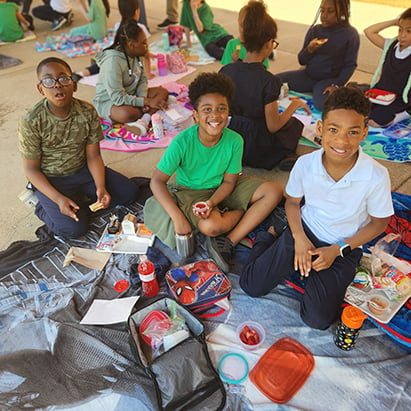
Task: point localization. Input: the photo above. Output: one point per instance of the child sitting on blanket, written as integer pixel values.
(206, 158)
(234, 50)
(329, 53)
(394, 70)
(10, 22)
(59, 142)
(270, 137)
(347, 202)
(96, 14)
(122, 93)
(129, 9)
(196, 15)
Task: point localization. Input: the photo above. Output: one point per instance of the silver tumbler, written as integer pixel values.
(185, 244)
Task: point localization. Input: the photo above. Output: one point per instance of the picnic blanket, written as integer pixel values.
(50, 360)
(117, 139)
(154, 82)
(392, 143)
(60, 44)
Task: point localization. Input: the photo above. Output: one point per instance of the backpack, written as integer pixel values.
(200, 286)
(184, 376)
(176, 63)
(175, 35)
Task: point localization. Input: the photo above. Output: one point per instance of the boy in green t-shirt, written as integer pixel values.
(206, 159)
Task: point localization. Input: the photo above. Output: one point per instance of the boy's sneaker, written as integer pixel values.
(166, 23)
(70, 18)
(220, 249)
(278, 220)
(58, 23)
(28, 197)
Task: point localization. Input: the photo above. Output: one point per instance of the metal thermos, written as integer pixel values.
(185, 244)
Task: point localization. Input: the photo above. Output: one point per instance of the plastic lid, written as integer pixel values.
(353, 317)
(150, 319)
(282, 370)
(233, 368)
(121, 286)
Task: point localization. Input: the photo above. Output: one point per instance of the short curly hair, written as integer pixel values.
(50, 60)
(348, 98)
(206, 83)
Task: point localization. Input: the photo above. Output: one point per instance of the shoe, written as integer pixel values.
(58, 23)
(70, 18)
(286, 164)
(76, 76)
(278, 220)
(30, 21)
(166, 23)
(220, 249)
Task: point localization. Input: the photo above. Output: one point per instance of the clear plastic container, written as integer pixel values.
(253, 326)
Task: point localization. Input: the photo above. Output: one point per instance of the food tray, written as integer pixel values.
(382, 97)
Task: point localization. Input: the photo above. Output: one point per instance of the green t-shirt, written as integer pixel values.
(212, 31)
(60, 144)
(230, 49)
(10, 29)
(199, 167)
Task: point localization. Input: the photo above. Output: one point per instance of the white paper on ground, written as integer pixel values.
(103, 312)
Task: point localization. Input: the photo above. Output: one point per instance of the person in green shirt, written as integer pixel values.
(206, 159)
(197, 15)
(10, 19)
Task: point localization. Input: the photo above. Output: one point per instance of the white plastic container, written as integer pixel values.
(157, 123)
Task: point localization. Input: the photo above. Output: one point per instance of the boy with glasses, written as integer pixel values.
(59, 142)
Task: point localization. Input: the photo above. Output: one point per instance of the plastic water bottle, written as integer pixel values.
(166, 41)
(149, 283)
(348, 328)
(161, 65)
(157, 124)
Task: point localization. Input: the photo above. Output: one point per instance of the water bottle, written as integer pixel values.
(149, 283)
(157, 124)
(166, 41)
(348, 328)
(161, 65)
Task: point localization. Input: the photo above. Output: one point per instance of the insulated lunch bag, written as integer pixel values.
(200, 286)
(183, 375)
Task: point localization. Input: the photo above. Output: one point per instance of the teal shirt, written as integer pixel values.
(230, 49)
(212, 31)
(199, 167)
(97, 27)
(10, 29)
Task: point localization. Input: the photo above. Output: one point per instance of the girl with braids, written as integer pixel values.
(329, 53)
(122, 93)
(270, 137)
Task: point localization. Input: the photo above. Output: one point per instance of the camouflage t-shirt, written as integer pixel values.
(60, 144)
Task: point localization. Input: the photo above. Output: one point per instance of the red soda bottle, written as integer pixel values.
(149, 282)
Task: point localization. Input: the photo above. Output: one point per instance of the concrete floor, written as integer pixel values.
(19, 93)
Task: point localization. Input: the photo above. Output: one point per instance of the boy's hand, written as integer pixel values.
(302, 256)
(325, 256)
(68, 207)
(103, 197)
(300, 103)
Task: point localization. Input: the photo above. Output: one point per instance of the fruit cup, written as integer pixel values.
(200, 208)
(251, 335)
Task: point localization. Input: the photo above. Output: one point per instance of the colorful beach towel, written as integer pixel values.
(61, 44)
(117, 138)
(392, 143)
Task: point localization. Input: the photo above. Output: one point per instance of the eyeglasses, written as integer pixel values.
(275, 44)
(50, 82)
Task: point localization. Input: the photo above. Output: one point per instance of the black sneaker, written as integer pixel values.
(278, 220)
(29, 20)
(220, 249)
(58, 23)
(166, 23)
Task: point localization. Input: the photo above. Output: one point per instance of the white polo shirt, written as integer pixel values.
(335, 211)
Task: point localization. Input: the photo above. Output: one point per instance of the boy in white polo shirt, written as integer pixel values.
(347, 202)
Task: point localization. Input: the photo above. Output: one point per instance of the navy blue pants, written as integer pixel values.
(216, 48)
(299, 81)
(272, 260)
(80, 188)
